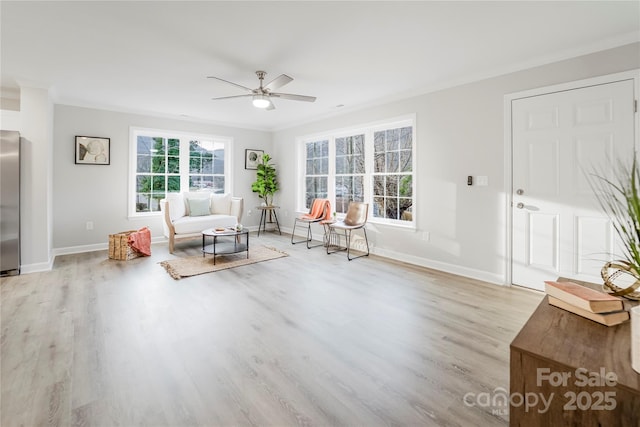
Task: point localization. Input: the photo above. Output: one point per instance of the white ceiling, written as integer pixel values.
(153, 57)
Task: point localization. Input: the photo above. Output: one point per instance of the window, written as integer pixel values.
(373, 164)
(206, 166)
(164, 162)
(157, 169)
(349, 171)
(393, 173)
(316, 171)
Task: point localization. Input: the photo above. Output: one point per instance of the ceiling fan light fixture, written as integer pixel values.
(261, 96)
(261, 101)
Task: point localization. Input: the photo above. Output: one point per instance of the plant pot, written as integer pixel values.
(635, 338)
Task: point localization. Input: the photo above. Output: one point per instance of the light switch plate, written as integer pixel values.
(482, 180)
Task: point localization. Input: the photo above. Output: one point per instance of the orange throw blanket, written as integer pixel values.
(320, 210)
(141, 241)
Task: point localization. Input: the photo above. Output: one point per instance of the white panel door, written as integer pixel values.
(558, 139)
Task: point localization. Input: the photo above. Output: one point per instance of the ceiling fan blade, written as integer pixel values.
(278, 82)
(271, 106)
(294, 97)
(233, 96)
(231, 83)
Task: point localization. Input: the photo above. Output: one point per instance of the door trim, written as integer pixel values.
(508, 143)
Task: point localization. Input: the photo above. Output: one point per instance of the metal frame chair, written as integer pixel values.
(355, 219)
(320, 210)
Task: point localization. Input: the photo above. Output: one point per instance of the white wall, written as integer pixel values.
(460, 132)
(99, 194)
(10, 120)
(36, 171)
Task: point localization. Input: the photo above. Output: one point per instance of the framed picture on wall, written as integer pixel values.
(252, 158)
(93, 150)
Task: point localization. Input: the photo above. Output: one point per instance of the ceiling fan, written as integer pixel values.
(263, 94)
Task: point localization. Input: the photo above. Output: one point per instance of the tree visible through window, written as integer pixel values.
(393, 173)
(316, 171)
(206, 166)
(349, 171)
(157, 171)
(166, 163)
(373, 164)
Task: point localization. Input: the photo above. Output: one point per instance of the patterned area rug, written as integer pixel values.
(194, 265)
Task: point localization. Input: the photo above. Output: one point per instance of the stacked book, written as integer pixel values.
(586, 302)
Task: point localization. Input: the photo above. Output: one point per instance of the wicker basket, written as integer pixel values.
(119, 247)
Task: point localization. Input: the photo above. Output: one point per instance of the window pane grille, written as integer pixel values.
(350, 169)
(317, 170)
(372, 165)
(157, 167)
(393, 178)
(316, 189)
(206, 163)
(158, 170)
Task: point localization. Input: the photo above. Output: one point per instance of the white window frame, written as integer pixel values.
(332, 163)
(304, 166)
(184, 138)
(368, 130)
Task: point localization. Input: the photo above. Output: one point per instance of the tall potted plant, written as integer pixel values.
(266, 183)
(619, 197)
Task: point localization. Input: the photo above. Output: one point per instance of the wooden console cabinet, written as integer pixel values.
(581, 367)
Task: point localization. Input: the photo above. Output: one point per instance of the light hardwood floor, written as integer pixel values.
(310, 339)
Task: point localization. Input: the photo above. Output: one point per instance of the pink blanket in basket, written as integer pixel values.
(141, 241)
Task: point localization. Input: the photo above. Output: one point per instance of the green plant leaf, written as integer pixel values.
(619, 199)
(266, 183)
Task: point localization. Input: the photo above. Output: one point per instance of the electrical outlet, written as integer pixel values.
(249, 212)
(426, 236)
(89, 225)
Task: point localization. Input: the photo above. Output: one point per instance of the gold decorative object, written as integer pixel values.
(621, 279)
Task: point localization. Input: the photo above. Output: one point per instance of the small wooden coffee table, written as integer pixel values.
(225, 241)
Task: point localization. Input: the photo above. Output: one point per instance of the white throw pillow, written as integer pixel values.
(199, 207)
(195, 195)
(221, 203)
(176, 205)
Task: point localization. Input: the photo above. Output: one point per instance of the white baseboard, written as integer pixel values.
(37, 267)
(472, 273)
(458, 270)
(95, 247)
(80, 249)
